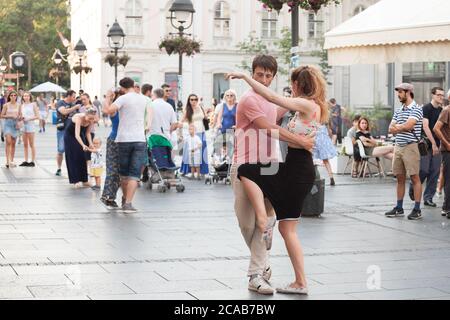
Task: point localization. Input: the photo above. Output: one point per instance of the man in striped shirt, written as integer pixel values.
(407, 128)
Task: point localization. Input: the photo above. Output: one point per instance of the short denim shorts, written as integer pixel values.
(133, 157)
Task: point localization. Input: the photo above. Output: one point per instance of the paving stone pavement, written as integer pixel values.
(58, 242)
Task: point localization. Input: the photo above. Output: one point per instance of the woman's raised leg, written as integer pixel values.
(256, 197)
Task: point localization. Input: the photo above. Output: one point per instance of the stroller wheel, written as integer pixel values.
(208, 181)
(162, 189)
(149, 185)
(180, 188)
(168, 186)
(227, 181)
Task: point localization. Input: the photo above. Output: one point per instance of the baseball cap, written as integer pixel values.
(405, 87)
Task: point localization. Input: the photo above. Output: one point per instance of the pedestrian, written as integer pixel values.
(11, 115)
(85, 105)
(442, 131)
(406, 125)
(77, 132)
(195, 115)
(98, 105)
(430, 165)
(351, 134)
(65, 109)
(371, 147)
(226, 121)
(112, 181)
(167, 96)
(336, 121)
(97, 164)
(43, 111)
(287, 187)
(131, 139)
(325, 150)
(3, 100)
(105, 116)
(30, 113)
(256, 133)
(161, 118)
(194, 146)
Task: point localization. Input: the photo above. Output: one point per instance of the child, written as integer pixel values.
(97, 163)
(194, 146)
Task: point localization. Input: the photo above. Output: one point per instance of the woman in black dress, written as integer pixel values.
(78, 131)
(287, 188)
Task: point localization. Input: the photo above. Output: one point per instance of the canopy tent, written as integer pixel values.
(393, 31)
(48, 87)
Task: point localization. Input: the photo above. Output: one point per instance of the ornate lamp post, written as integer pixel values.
(116, 41)
(181, 18)
(80, 50)
(3, 68)
(57, 59)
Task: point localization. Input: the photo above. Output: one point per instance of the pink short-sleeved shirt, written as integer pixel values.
(252, 144)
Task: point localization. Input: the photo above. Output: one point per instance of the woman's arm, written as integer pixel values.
(36, 112)
(4, 109)
(77, 122)
(89, 136)
(294, 104)
(219, 119)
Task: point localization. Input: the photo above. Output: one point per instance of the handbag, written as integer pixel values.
(423, 145)
(19, 124)
(205, 121)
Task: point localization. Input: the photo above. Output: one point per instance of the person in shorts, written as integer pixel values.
(406, 125)
(97, 163)
(130, 139)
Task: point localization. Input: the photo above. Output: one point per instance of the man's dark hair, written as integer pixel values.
(222, 95)
(268, 63)
(356, 117)
(126, 83)
(165, 86)
(69, 93)
(146, 88)
(436, 89)
(333, 100)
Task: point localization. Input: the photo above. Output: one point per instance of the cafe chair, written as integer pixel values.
(366, 163)
(349, 152)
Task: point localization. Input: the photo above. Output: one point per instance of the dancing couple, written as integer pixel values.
(265, 189)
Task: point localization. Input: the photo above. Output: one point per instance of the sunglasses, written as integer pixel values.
(230, 96)
(193, 99)
(13, 95)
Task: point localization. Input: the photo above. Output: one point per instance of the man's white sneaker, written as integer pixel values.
(259, 285)
(267, 274)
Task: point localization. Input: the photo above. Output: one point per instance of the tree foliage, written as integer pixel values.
(31, 26)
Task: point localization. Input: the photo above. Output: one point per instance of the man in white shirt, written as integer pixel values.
(130, 138)
(161, 118)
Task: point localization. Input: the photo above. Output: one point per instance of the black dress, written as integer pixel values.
(75, 156)
(287, 187)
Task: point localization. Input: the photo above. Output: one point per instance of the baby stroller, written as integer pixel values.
(162, 169)
(220, 168)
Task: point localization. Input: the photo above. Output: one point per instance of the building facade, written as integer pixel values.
(220, 25)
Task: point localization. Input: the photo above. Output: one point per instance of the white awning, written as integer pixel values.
(393, 31)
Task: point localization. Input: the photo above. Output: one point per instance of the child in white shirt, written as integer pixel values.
(97, 163)
(193, 143)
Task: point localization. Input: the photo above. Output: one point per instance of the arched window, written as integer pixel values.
(222, 19)
(358, 10)
(269, 24)
(133, 17)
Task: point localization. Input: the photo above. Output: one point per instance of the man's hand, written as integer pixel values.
(435, 149)
(307, 142)
(235, 75)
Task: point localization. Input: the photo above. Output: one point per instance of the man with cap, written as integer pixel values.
(406, 126)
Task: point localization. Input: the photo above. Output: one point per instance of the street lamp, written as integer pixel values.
(57, 59)
(3, 68)
(181, 12)
(80, 50)
(116, 41)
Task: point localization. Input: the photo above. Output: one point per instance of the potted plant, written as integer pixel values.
(180, 45)
(314, 5)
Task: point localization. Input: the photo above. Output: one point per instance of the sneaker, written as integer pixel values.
(430, 203)
(31, 164)
(128, 208)
(110, 204)
(290, 290)
(415, 215)
(444, 212)
(448, 215)
(24, 164)
(58, 173)
(259, 285)
(267, 274)
(396, 212)
(123, 201)
(332, 182)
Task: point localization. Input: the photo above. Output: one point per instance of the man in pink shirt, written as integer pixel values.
(257, 134)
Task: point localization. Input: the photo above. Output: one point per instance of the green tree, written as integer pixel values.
(251, 47)
(31, 27)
